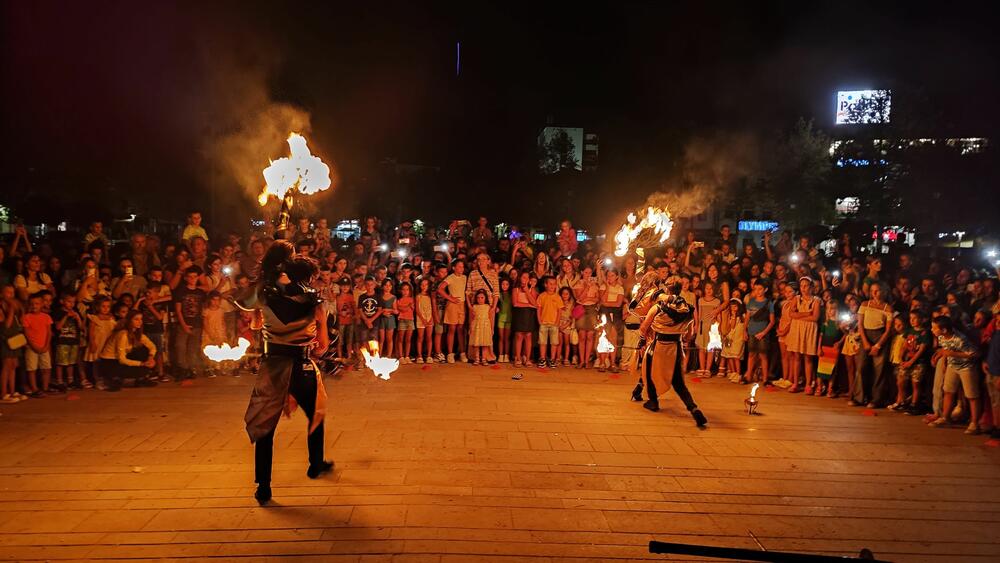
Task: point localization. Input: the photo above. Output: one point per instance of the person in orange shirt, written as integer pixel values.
(38, 331)
(549, 306)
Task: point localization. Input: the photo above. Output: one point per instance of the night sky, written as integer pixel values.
(126, 98)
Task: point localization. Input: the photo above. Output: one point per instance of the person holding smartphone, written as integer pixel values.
(127, 282)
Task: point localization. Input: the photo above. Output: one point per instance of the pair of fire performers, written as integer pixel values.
(659, 358)
(294, 329)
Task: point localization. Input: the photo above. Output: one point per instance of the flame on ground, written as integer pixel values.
(654, 228)
(604, 346)
(301, 170)
(381, 367)
(714, 337)
(225, 352)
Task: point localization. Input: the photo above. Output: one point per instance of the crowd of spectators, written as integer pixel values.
(917, 338)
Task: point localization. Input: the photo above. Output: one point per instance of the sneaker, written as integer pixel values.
(939, 422)
(451, 358)
(439, 358)
(405, 360)
(212, 375)
(9, 400)
(87, 384)
(419, 360)
(699, 418)
(320, 468)
(263, 494)
(973, 429)
(463, 358)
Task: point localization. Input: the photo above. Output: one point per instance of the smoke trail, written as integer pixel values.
(245, 125)
(711, 167)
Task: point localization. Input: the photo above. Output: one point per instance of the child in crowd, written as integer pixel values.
(959, 356)
(69, 329)
(346, 317)
(734, 329)
(189, 302)
(369, 311)
(387, 322)
(911, 370)
(481, 327)
(505, 314)
(831, 339)
(405, 304)
(38, 331)
(424, 316)
(549, 306)
(13, 342)
(896, 357)
(153, 317)
(213, 328)
(99, 328)
(706, 314)
(567, 329)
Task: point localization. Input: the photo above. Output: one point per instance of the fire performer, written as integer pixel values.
(668, 319)
(294, 327)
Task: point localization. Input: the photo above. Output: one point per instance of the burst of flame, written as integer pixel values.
(714, 338)
(753, 392)
(604, 346)
(225, 352)
(656, 219)
(381, 367)
(301, 170)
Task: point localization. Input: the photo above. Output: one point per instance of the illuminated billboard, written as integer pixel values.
(560, 148)
(863, 106)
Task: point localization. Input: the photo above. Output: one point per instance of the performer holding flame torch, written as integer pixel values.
(665, 323)
(294, 325)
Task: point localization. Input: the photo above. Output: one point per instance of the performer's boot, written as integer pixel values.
(637, 392)
(699, 418)
(652, 405)
(317, 469)
(263, 494)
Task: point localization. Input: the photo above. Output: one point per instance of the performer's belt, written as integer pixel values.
(632, 326)
(286, 350)
(660, 337)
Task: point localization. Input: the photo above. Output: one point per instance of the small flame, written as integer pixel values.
(225, 352)
(302, 171)
(753, 392)
(604, 346)
(656, 219)
(381, 367)
(714, 338)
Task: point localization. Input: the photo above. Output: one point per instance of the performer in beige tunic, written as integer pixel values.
(294, 325)
(667, 320)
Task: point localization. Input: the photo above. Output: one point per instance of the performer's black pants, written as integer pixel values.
(677, 381)
(302, 386)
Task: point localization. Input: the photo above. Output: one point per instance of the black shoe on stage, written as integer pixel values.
(699, 418)
(637, 393)
(651, 405)
(263, 494)
(320, 468)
